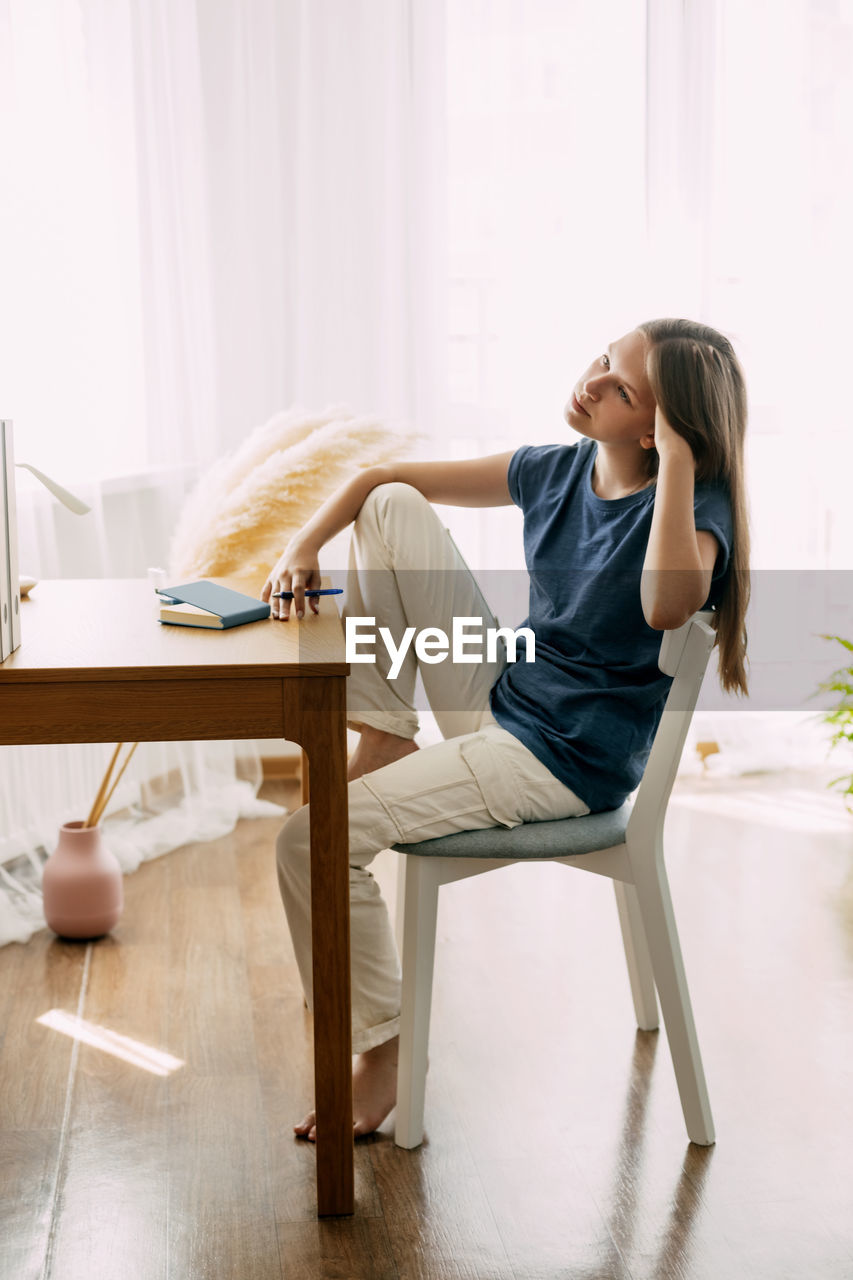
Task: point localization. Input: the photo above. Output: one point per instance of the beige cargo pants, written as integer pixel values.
(405, 571)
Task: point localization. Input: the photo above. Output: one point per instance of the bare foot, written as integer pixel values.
(374, 1092)
(375, 749)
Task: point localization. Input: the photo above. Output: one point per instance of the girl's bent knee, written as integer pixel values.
(385, 499)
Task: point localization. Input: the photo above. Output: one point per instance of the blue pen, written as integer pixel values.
(315, 591)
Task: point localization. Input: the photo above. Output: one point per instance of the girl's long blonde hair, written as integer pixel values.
(697, 380)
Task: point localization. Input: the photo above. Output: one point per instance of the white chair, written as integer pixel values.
(625, 844)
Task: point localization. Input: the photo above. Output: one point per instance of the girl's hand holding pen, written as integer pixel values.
(310, 591)
(296, 571)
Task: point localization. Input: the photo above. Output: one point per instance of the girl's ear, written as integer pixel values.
(648, 440)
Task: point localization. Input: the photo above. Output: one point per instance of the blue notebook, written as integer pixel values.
(206, 604)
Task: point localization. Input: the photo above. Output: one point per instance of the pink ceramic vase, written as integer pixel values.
(82, 884)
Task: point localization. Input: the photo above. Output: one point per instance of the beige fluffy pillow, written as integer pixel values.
(247, 506)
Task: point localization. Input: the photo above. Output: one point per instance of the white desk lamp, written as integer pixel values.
(10, 590)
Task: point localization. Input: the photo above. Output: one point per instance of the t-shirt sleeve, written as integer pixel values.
(533, 469)
(515, 472)
(712, 511)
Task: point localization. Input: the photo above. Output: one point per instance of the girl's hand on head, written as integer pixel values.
(298, 570)
(667, 440)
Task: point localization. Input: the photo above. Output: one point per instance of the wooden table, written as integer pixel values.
(95, 665)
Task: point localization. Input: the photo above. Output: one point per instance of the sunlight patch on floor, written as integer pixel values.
(132, 1051)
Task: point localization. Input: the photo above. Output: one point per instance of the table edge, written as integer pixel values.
(242, 671)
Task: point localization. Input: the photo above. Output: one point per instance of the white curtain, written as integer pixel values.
(546, 235)
(703, 167)
(751, 201)
(211, 211)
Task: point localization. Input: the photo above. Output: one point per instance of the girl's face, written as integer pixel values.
(613, 402)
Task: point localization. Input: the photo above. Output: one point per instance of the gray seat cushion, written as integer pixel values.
(561, 838)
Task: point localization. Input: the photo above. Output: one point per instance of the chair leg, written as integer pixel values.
(400, 909)
(637, 956)
(655, 905)
(419, 921)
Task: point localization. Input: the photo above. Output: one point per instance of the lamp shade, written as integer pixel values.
(10, 590)
(10, 595)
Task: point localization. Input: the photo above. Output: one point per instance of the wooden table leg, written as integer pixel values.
(315, 716)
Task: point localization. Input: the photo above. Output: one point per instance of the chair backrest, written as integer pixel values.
(684, 655)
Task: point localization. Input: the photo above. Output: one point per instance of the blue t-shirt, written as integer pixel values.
(589, 706)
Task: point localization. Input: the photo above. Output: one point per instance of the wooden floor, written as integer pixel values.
(556, 1145)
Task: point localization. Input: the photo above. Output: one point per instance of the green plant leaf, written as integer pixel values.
(841, 715)
(848, 644)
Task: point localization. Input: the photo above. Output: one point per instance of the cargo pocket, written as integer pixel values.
(496, 777)
(516, 786)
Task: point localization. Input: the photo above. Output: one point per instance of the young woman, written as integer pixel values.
(626, 534)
